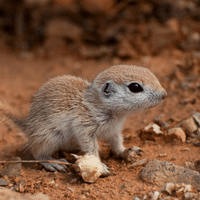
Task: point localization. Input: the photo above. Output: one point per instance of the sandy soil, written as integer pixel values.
(21, 77)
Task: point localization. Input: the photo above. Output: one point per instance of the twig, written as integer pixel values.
(35, 161)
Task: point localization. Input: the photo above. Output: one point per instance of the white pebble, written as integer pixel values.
(155, 195)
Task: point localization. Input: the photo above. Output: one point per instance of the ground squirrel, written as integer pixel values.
(68, 113)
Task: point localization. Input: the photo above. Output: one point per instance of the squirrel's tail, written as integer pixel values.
(8, 117)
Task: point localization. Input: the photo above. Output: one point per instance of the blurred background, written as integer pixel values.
(100, 28)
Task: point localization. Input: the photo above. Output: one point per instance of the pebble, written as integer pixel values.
(139, 163)
(185, 149)
(159, 173)
(71, 189)
(51, 183)
(196, 117)
(12, 169)
(178, 133)
(4, 182)
(155, 195)
(154, 127)
(189, 196)
(74, 180)
(168, 188)
(188, 188)
(162, 155)
(136, 198)
(189, 126)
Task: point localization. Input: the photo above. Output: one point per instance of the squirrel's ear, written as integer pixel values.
(106, 89)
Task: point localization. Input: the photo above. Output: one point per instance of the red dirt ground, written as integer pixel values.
(21, 77)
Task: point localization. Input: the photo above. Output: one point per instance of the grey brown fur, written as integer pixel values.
(68, 113)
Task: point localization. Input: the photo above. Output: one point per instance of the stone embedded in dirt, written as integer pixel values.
(155, 195)
(177, 133)
(188, 188)
(190, 196)
(136, 198)
(153, 127)
(185, 149)
(168, 188)
(89, 167)
(4, 182)
(6, 194)
(158, 173)
(12, 169)
(196, 118)
(189, 126)
(161, 155)
(139, 163)
(174, 192)
(150, 132)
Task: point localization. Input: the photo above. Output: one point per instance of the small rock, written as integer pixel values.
(12, 169)
(71, 189)
(155, 195)
(189, 126)
(168, 188)
(188, 188)
(196, 118)
(162, 155)
(150, 132)
(52, 183)
(123, 186)
(185, 149)
(190, 166)
(178, 133)
(4, 182)
(167, 198)
(144, 197)
(189, 196)
(153, 127)
(89, 167)
(136, 198)
(19, 188)
(139, 163)
(74, 180)
(197, 144)
(158, 172)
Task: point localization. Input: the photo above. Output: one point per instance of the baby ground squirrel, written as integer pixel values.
(68, 113)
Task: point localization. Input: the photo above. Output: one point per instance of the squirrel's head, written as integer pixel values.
(127, 88)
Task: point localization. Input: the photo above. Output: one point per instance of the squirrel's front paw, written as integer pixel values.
(129, 154)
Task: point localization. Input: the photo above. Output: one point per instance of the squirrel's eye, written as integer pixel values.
(135, 87)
